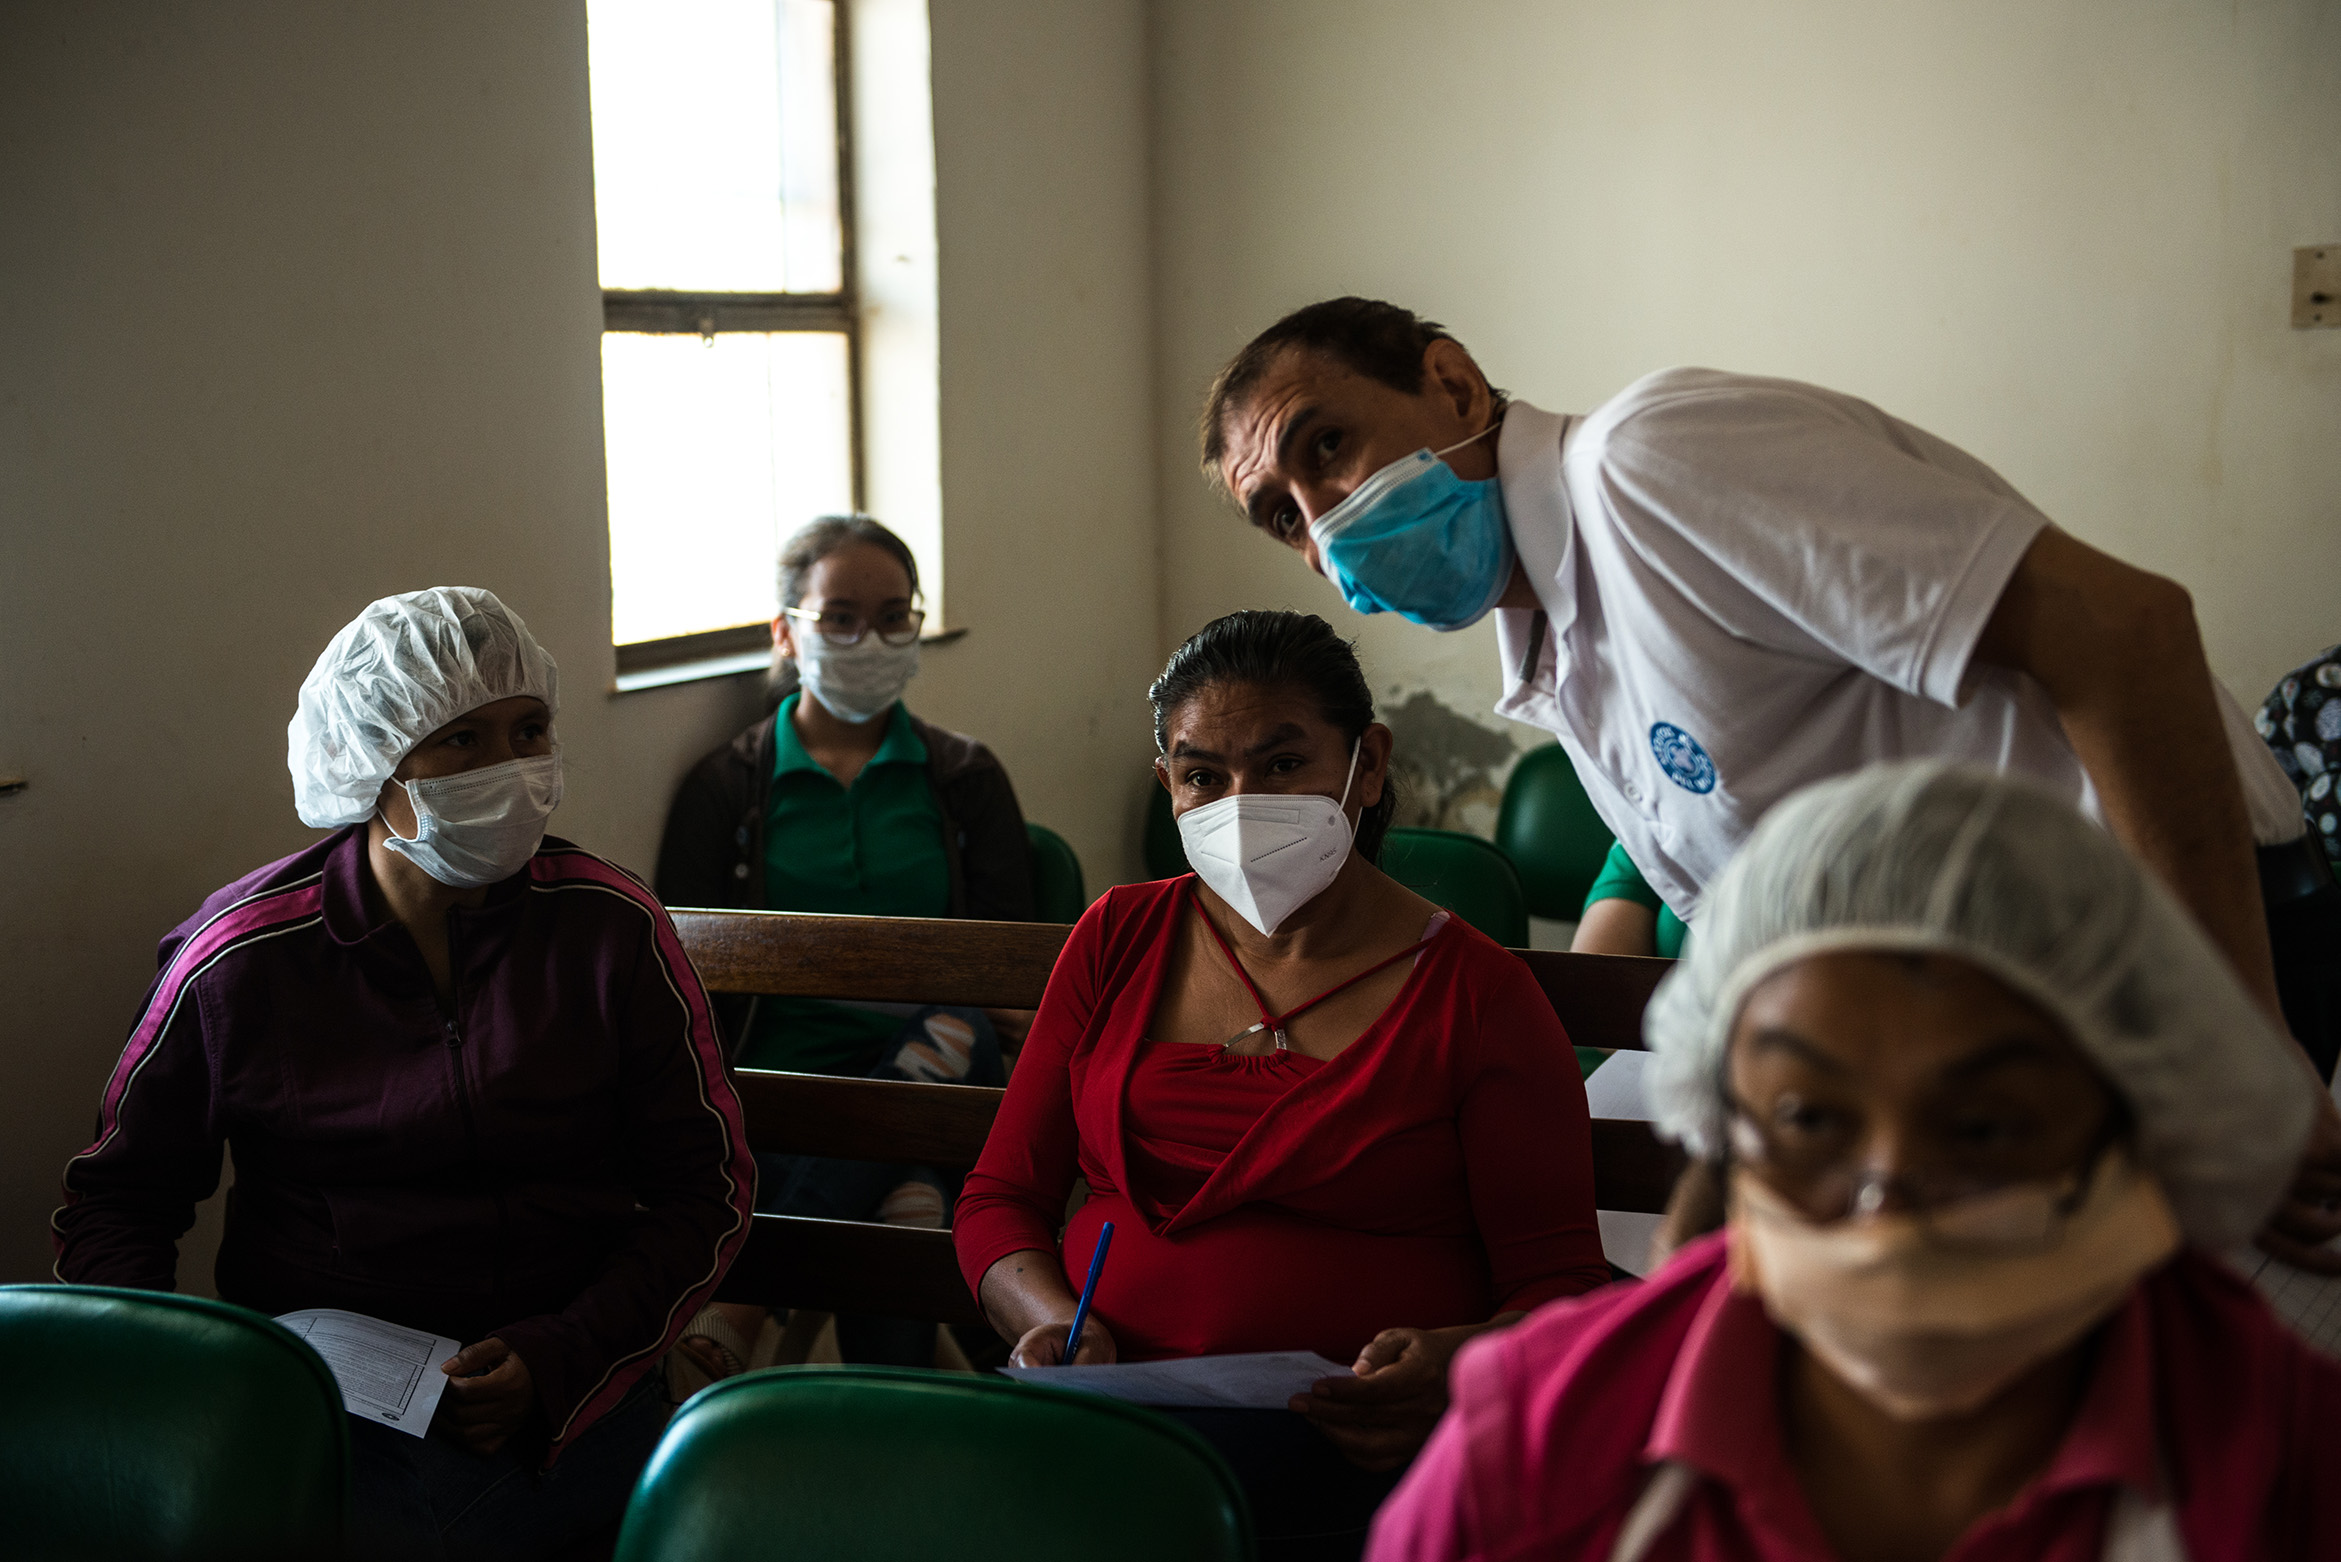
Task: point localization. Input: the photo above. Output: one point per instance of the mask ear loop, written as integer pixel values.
(1473, 440)
(1350, 780)
(415, 807)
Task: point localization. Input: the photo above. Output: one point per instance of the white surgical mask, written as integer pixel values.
(858, 682)
(1925, 1325)
(482, 826)
(1268, 854)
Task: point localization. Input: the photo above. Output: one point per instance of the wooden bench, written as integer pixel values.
(849, 1266)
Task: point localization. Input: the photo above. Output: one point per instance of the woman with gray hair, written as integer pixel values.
(1985, 1101)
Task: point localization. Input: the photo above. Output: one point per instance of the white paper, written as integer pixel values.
(386, 1372)
(1615, 1088)
(2311, 1304)
(1626, 1236)
(1262, 1380)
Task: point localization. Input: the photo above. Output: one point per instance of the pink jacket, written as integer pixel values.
(2204, 1417)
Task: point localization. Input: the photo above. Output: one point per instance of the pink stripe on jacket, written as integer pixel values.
(556, 1160)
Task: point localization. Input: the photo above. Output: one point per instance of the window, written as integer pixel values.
(730, 341)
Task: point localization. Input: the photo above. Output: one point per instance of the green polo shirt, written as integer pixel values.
(872, 849)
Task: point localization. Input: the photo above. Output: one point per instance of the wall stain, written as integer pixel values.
(1450, 770)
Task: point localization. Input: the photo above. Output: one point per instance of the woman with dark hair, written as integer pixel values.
(1321, 1113)
(842, 801)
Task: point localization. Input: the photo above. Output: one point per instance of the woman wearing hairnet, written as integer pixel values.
(1984, 1099)
(470, 1083)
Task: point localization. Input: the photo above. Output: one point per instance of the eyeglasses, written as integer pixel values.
(1961, 1200)
(844, 626)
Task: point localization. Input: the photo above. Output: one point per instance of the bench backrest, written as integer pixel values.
(1005, 965)
(848, 1266)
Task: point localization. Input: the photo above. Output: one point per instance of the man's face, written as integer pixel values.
(1313, 429)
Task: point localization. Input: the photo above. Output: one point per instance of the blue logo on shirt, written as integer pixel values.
(1686, 764)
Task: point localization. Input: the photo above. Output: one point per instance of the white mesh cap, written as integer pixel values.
(1937, 858)
(398, 672)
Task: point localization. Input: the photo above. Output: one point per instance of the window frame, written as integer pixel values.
(675, 312)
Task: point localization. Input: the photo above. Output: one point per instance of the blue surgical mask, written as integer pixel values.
(1416, 540)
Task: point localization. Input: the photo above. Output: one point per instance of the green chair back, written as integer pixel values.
(1165, 852)
(876, 1464)
(1463, 873)
(1547, 826)
(136, 1424)
(1057, 891)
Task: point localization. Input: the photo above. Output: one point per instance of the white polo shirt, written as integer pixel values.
(1749, 585)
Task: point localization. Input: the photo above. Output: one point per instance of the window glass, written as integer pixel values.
(718, 449)
(715, 145)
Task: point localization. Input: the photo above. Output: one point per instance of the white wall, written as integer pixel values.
(2058, 232)
(298, 308)
(1047, 367)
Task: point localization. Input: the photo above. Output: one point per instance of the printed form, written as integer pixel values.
(386, 1373)
(1260, 1380)
(2310, 1303)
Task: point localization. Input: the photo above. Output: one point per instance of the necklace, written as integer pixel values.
(1273, 1022)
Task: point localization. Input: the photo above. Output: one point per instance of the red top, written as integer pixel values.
(2203, 1415)
(1439, 1171)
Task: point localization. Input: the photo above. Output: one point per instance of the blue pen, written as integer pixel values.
(1105, 1239)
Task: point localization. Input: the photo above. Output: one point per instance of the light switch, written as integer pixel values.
(2316, 287)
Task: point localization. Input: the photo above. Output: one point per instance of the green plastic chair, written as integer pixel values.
(1463, 873)
(807, 1464)
(1165, 852)
(1547, 826)
(137, 1424)
(1058, 894)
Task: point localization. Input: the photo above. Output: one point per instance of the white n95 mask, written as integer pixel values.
(482, 826)
(1268, 854)
(858, 682)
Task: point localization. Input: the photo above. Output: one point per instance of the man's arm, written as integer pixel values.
(2117, 651)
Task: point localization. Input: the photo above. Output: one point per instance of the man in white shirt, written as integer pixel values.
(1714, 589)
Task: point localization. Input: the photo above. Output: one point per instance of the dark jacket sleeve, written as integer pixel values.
(683, 1148)
(155, 1154)
(995, 854)
(712, 852)
(700, 850)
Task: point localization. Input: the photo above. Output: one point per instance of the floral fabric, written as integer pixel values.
(2301, 723)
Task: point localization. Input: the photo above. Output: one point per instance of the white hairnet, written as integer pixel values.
(398, 672)
(1998, 872)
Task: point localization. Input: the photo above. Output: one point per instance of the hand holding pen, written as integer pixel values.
(1052, 1343)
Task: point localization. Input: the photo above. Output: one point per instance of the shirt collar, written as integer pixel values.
(1720, 1412)
(2114, 1439)
(347, 920)
(900, 745)
(351, 922)
(1544, 537)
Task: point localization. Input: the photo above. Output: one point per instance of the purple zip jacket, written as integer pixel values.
(559, 1162)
